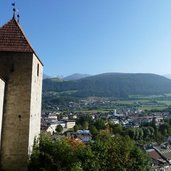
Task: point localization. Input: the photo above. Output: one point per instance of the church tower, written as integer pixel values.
(20, 97)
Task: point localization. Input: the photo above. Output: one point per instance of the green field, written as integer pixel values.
(167, 102)
(152, 108)
(157, 102)
(131, 101)
(104, 105)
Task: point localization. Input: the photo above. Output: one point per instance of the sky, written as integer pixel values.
(96, 36)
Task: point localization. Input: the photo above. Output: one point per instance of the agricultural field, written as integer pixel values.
(146, 102)
(104, 105)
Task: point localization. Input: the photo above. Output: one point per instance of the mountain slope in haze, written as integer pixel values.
(112, 85)
(46, 76)
(167, 76)
(75, 76)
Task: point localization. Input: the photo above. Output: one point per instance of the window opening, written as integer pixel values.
(37, 69)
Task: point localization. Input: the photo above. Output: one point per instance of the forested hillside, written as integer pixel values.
(111, 85)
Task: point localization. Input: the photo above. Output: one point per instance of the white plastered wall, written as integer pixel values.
(36, 100)
(2, 89)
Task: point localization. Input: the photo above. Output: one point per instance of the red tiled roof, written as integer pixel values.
(13, 39)
(153, 154)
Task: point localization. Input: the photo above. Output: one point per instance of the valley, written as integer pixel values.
(106, 92)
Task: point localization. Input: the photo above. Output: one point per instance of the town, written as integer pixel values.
(113, 113)
(150, 129)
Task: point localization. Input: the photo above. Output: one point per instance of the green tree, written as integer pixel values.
(59, 129)
(118, 153)
(76, 128)
(85, 125)
(84, 118)
(131, 133)
(117, 128)
(141, 134)
(53, 155)
(87, 158)
(165, 129)
(100, 124)
(93, 130)
(106, 153)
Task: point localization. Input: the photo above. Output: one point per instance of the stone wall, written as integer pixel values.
(17, 69)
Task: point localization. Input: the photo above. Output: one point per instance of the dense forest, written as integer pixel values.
(118, 85)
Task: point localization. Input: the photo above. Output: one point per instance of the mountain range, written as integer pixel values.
(75, 76)
(119, 85)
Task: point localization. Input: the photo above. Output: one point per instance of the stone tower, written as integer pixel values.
(20, 97)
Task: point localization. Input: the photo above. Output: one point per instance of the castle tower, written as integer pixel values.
(20, 97)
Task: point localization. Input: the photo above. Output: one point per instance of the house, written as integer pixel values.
(158, 163)
(65, 124)
(69, 124)
(155, 156)
(52, 126)
(114, 121)
(166, 153)
(84, 135)
(52, 117)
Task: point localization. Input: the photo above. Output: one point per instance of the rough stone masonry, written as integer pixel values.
(20, 97)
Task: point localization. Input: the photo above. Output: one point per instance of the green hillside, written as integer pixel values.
(119, 85)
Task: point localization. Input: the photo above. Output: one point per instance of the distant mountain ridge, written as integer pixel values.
(167, 76)
(118, 85)
(75, 76)
(46, 76)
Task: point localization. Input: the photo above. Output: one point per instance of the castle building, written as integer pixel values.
(20, 97)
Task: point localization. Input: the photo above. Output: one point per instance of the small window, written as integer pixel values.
(37, 69)
(19, 116)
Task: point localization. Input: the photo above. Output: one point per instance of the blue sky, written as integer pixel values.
(97, 36)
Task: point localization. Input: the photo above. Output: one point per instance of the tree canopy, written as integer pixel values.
(106, 153)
